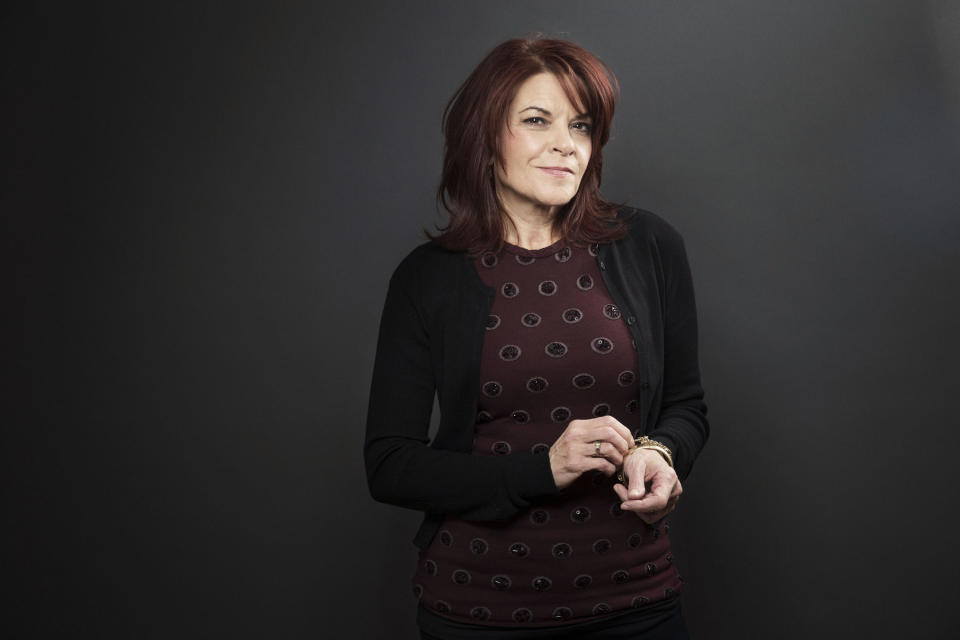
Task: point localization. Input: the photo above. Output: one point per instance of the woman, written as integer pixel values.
(559, 335)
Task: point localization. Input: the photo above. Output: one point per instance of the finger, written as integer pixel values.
(621, 492)
(608, 433)
(677, 490)
(604, 466)
(624, 433)
(605, 450)
(661, 485)
(650, 503)
(621, 430)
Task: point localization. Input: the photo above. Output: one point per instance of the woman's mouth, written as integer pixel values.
(558, 172)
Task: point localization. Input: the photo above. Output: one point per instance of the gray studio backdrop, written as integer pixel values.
(205, 204)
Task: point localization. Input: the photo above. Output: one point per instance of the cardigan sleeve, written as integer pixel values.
(682, 424)
(402, 469)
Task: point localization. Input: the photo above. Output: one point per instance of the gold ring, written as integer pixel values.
(596, 449)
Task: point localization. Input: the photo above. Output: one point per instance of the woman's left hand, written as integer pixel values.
(654, 486)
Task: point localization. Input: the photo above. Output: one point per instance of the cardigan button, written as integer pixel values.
(631, 320)
(602, 265)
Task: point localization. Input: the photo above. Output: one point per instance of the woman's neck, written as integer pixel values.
(534, 230)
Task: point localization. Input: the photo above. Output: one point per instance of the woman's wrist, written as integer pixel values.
(643, 442)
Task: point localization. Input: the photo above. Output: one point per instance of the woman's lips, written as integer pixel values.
(557, 172)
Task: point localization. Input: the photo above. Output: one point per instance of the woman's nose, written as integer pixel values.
(563, 142)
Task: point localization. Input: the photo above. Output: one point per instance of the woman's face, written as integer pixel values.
(546, 147)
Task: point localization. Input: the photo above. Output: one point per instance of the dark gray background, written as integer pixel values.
(201, 210)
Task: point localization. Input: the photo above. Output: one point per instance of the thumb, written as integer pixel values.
(637, 488)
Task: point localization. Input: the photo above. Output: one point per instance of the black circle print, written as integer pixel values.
(626, 378)
(493, 321)
(620, 576)
(602, 545)
(480, 613)
(601, 345)
(530, 319)
(583, 381)
(556, 349)
(573, 315)
(560, 414)
(541, 583)
(585, 282)
(582, 581)
(446, 539)
(489, 260)
(500, 582)
(525, 260)
(500, 448)
(460, 576)
(601, 409)
(548, 287)
(536, 384)
(562, 613)
(561, 550)
(520, 416)
(492, 389)
(539, 516)
(563, 255)
(522, 615)
(509, 290)
(611, 311)
(510, 352)
(478, 546)
(519, 550)
(580, 514)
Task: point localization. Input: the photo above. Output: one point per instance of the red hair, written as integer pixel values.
(477, 114)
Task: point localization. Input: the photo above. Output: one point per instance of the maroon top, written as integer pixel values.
(555, 350)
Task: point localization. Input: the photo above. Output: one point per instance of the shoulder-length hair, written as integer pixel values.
(474, 119)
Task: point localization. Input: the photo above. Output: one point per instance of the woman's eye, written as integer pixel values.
(535, 120)
(582, 126)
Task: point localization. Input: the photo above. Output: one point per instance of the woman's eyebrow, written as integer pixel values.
(579, 116)
(540, 109)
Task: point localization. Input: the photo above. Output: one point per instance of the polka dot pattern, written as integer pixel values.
(509, 353)
(547, 287)
(556, 348)
(531, 320)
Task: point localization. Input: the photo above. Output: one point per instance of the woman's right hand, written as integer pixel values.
(575, 451)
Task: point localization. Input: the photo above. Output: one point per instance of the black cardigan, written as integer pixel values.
(431, 334)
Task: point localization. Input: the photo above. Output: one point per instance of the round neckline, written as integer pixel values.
(534, 253)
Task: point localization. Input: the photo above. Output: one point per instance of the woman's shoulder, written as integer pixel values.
(427, 262)
(647, 227)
